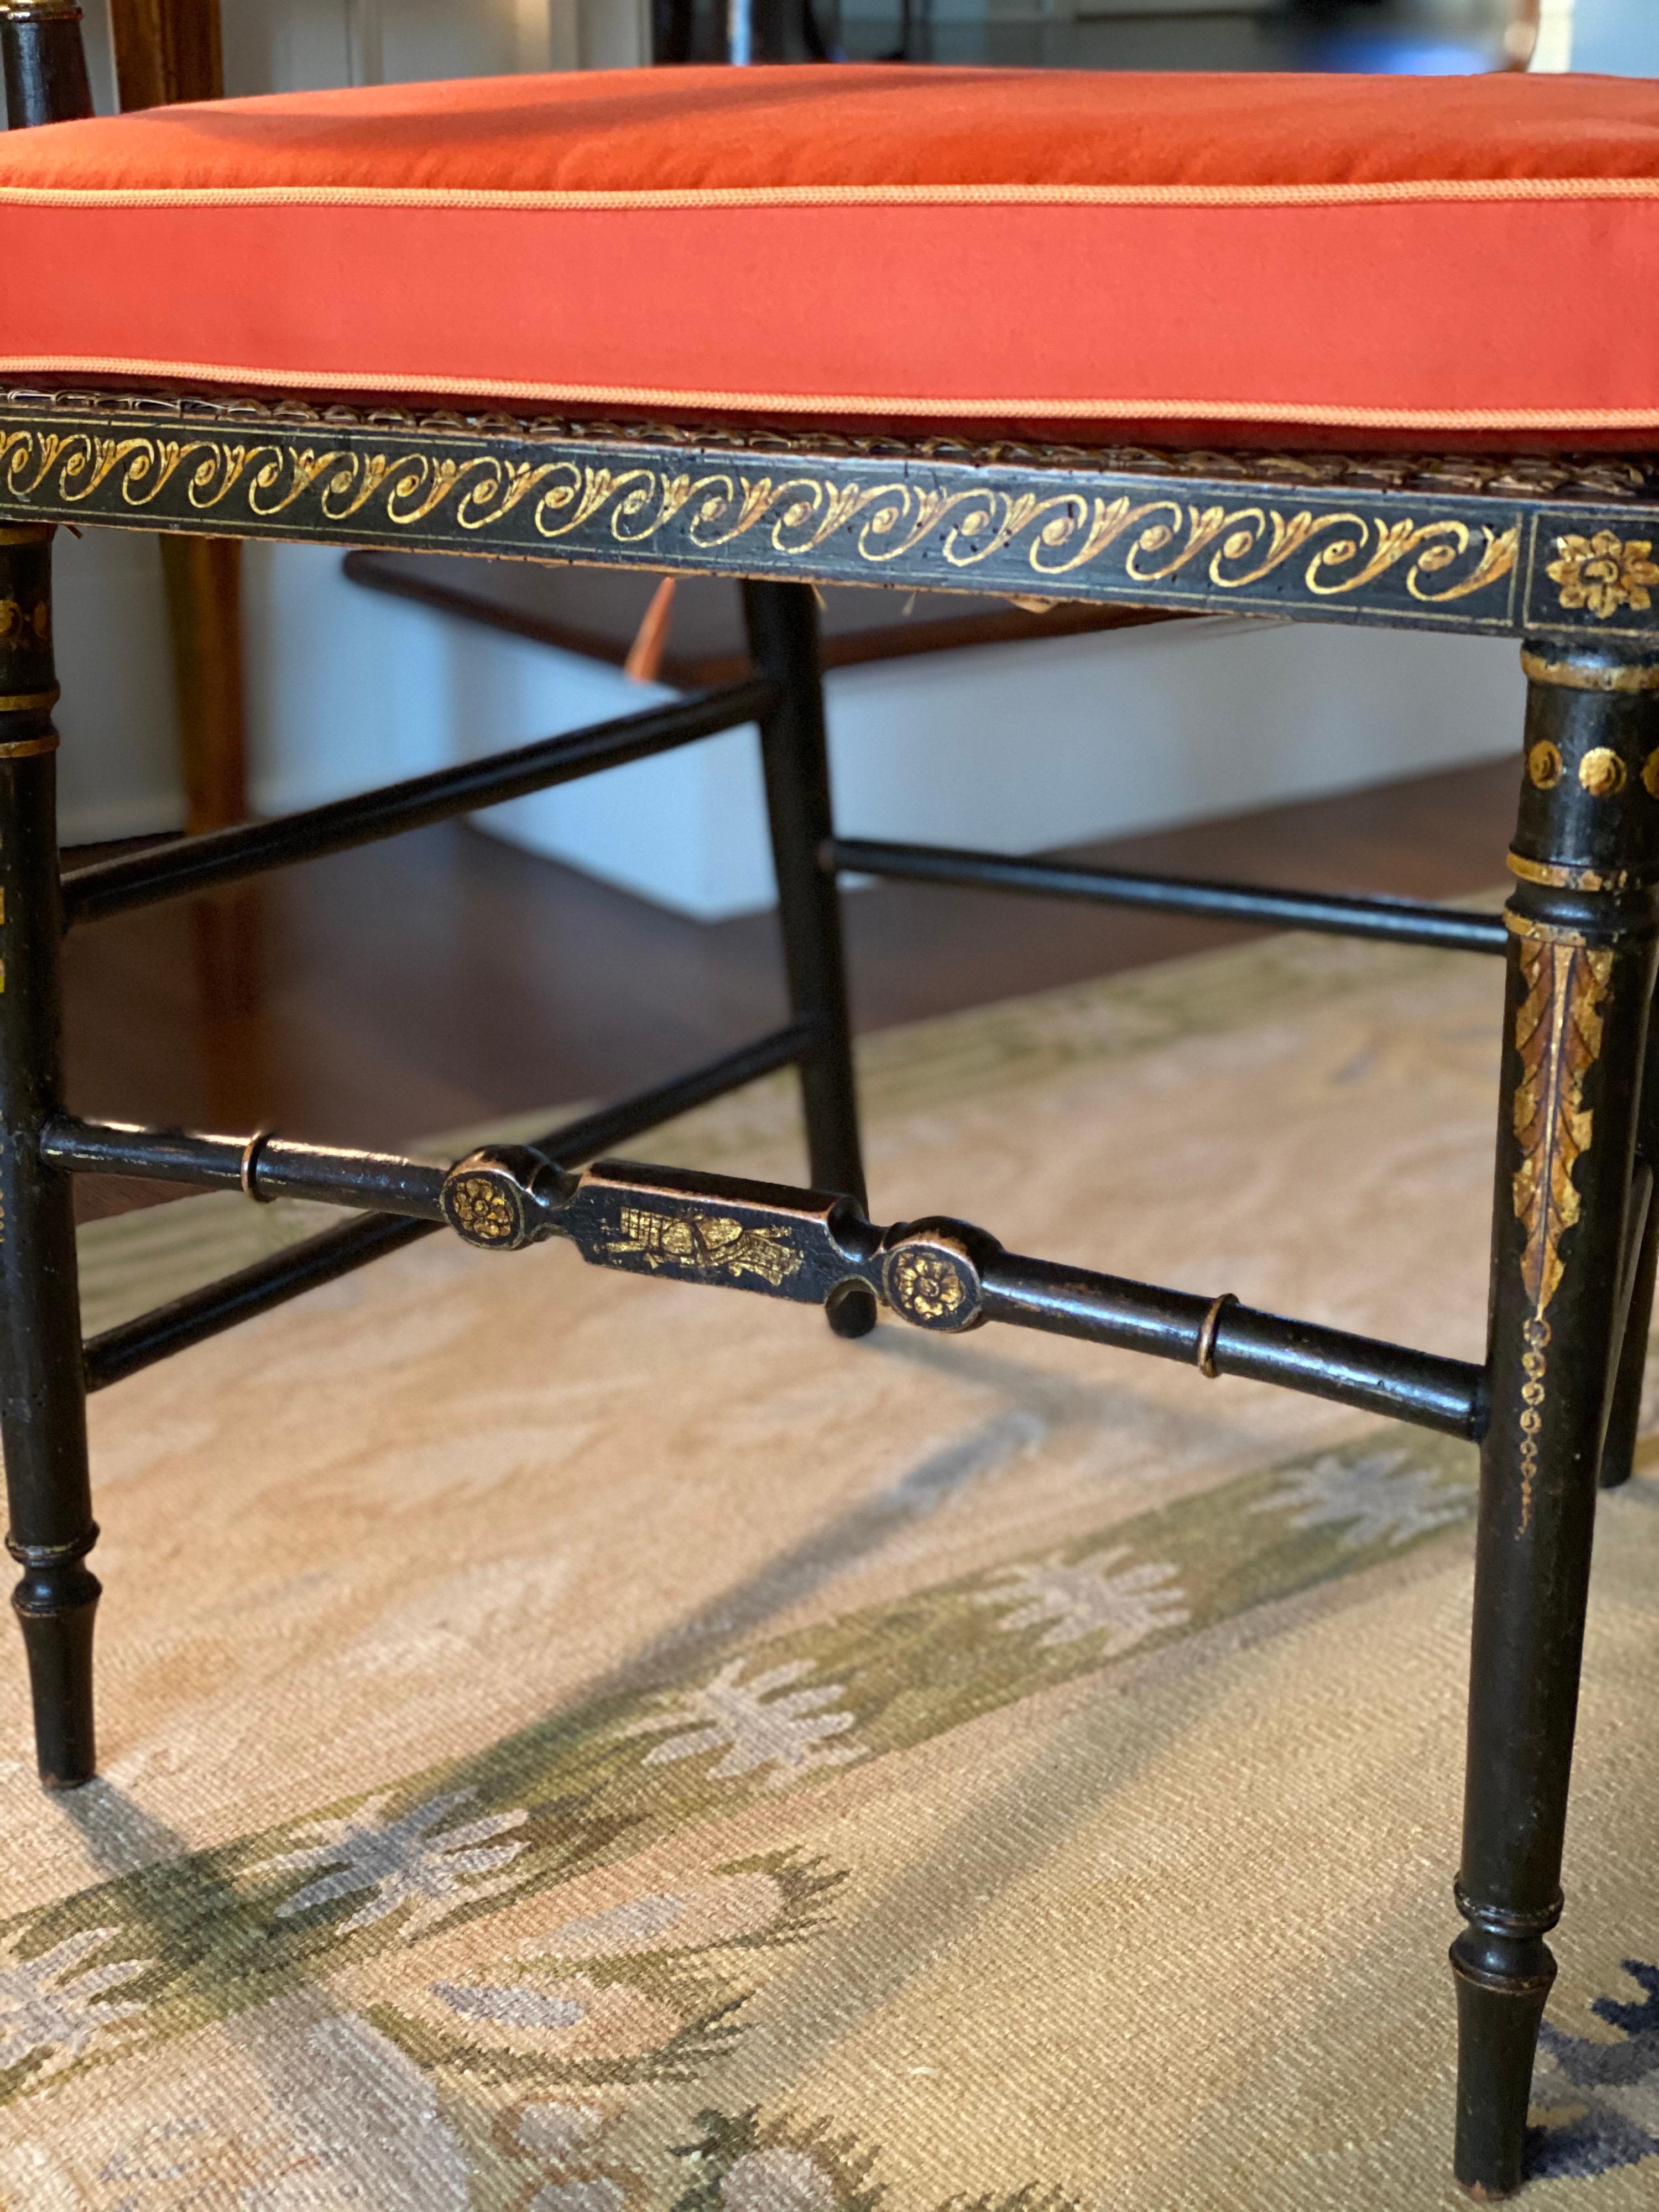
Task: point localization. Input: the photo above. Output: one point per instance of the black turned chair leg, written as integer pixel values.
(1582, 925)
(783, 638)
(42, 1395)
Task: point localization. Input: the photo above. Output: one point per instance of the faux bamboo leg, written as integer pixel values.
(1582, 924)
(783, 638)
(42, 1396)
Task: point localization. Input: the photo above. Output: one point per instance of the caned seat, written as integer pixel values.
(1381, 351)
(1203, 257)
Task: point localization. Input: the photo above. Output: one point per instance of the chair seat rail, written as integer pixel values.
(1494, 545)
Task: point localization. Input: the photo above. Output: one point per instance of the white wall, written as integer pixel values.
(119, 767)
(308, 43)
(274, 44)
(1618, 37)
(290, 46)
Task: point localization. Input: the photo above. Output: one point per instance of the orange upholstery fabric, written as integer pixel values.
(1442, 257)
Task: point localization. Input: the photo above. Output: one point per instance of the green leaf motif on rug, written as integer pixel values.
(738, 2162)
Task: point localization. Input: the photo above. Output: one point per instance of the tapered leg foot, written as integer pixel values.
(1502, 1983)
(56, 1604)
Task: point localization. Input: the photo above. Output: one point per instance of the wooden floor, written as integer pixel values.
(440, 978)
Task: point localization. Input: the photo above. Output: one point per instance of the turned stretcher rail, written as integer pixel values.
(1403, 921)
(940, 1275)
(1421, 1387)
(307, 1264)
(262, 1166)
(808, 1247)
(187, 865)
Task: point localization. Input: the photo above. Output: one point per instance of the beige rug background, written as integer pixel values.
(575, 1743)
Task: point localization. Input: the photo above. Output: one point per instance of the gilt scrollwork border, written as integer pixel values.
(1595, 477)
(1451, 545)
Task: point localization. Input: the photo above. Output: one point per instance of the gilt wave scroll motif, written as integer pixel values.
(1066, 533)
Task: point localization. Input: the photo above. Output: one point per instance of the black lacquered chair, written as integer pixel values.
(230, 321)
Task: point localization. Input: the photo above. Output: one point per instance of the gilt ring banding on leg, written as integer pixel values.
(1204, 1354)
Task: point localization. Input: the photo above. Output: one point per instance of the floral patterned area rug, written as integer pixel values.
(577, 1743)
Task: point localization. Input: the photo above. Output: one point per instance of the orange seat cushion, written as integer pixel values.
(1450, 258)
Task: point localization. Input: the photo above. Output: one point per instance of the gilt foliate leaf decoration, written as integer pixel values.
(1558, 1034)
(710, 1243)
(1604, 573)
